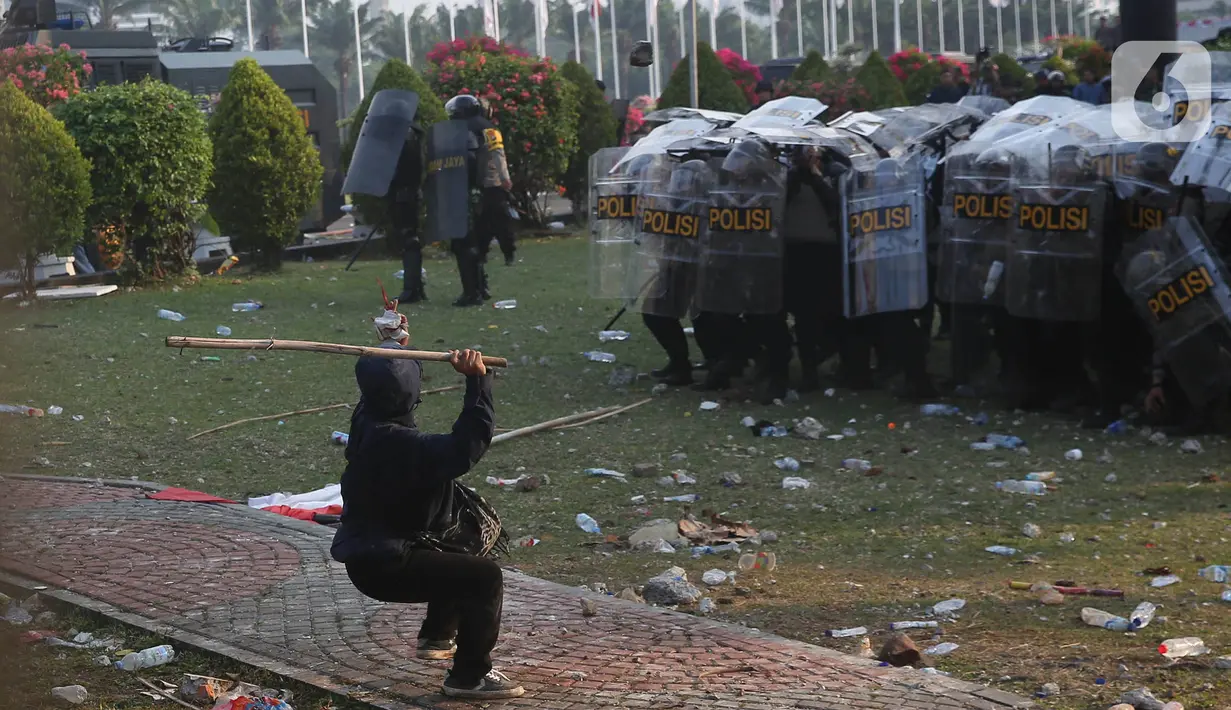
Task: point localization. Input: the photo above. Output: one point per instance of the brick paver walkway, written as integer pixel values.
(262, 588)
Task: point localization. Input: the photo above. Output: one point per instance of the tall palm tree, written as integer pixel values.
(333, 27)
(389, 40)
(110, 12)
(198, 18)
(269, 17)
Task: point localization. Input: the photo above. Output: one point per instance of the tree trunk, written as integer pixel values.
(27, 277)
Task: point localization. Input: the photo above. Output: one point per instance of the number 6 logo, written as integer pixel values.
(1191, 70)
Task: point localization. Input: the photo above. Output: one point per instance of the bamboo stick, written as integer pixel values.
(621, 410)
(179, 341)
(551, 423)
(313, 410)
(166, 694)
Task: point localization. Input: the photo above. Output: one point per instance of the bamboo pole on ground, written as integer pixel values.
(179, 341)
(552, 423)
(621, 410)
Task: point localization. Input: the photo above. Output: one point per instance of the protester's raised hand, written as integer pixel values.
(468, 362)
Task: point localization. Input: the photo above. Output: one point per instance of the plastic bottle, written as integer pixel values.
(1002, 550)
(170, 315)
(222, 330)
(21, 409)
(596, 356)
(847, 633)
(1035, 488)
(505, 305)
(150, 657)
(1117, 427)
(1183, 647)
(900, 625)
(856, 464)
(587, 523)
(1142, 615)
(938, 410)
(246, 306)
(787, 463)
(1105, 620)
(340, 437)
(687, 498)
(1215, 573)
(1004, 441)
(606, 336)
(941, 649)
(1040, 476)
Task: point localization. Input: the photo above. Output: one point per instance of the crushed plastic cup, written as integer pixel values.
(787, 463)
(941, 649)
(223, 331)
(792, 483)
(948, 606)
(505, 305)
(596, 356)
(607, 336)
(1165, 580)
(1073, 455)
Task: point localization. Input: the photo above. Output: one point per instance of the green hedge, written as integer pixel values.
(884, 88)
(716, 90)
(597, 130)
(812, 68)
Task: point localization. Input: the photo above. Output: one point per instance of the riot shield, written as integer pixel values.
(918, 124)
(990, 105)
(1178, 82)
(1144, 195)
(741, 251)
(884, 245)
(1179, 287)
(1207, 162)
(786, 112)
(1054, 269)
(1026, 115)
(613, 219)
(976, 219)
(671, 213)
(447, 192)
(384, 131)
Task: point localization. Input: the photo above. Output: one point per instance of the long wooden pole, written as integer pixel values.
(621, 410)
(179, 341)
(552, 423)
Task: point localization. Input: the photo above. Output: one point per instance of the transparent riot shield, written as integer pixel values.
(1179, 287)
(741, 254)
(1207, 162)
(884, 241)
(976, 220)
(613, 223)
(1054, 269)
(671, 213)
(1144, 197)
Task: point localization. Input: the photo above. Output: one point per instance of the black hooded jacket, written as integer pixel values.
(398, 480)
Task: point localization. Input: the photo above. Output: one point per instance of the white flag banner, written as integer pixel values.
(543, 24)
(489, 18)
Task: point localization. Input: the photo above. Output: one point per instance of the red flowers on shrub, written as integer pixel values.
(48, 76)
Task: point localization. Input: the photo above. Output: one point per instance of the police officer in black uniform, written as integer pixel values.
(402, 204)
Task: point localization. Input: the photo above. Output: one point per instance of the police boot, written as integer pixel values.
(717, 377)
(484, 293)
(412, 277)
(469, 276)
(775, 388)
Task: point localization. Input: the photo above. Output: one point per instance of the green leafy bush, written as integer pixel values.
(395, 74)
(812, 68)
(882, 85)
(597, 131)
(532, 104)
(267, 173)
(920, 83)
(1016, 83)
(1060, 64)
(716, 90)
(47, 185)
(151, 160)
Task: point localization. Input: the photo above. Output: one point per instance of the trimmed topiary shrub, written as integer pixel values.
(43, 210)
(532, 104)
(597, 131)
(48, 76)
(716, 90)
(267, 173)
(881, 84)
(921, 82)
(812, 68)
(395, 74)
(151, 161)
(1015, 81)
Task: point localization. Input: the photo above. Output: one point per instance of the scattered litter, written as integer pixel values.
(1142, 615)
(588, 524)
(1164, 581)
(1031, 530)
(541, 328)
(1035, 488)
(607, 336)
(856, 464)
(705, 606)
(508, 305)
(16, 615)
(170, 315)
(847, 633)
(948, 606)
(246, 307)
(1048, 690)
(1191, 446)
(1117, 427)
(682, 478)
(716, 577)
(671, 588)
(809, 428)
(223, 331)
(830, 392)
(865, 647)
(700, 550)
(1215, 573)
(1183, 647)
(645, 470)
(762, 560)
(1073, 455)
(792, 483)
(596, 356)
(1109, 478)
(689, 498)
(340, 438)
(21, 410)
(787, 463)
(74, 694)
(1001, 550)
(1158, 438)
(1142, 699)
(1105, 620)
(527, 541)
(708, 406)
(942, 649)
(731, 480)
(149, 658)
(902, 625)
(203, 688)
(605, 473)
(938, 410)
(622, 376)
(1040, 476)
(55, 410)
(504, 482)
(1223, 663)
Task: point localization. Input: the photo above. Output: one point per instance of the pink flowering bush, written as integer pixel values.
(534, 107)
(633, 121)
(643, 103)
(908, 61)
(961, 70)
(745, 73)
(48, 76)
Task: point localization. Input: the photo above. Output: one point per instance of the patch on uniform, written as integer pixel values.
(495, 141)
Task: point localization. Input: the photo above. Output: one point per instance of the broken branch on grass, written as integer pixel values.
(621, 410)
(313, 410)
(165, 694)
(179, 341)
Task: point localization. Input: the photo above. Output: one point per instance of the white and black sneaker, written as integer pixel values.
(494, 686)
(435, 650)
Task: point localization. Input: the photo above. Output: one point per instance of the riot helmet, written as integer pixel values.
(638, 168)
(690, 179)
(889, 172)
(748, 159)
(463, 107)
(1144, 266)
(995, 162)
(1154, 161)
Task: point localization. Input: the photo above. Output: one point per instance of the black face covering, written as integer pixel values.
(390, 389)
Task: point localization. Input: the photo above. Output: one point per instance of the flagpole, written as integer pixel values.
(1055, 30)
(496, 18)
(940, 23)
(833, 24)
(743, 30)
(773, 29)
(576, 38)
(897, 26)
(1034, 21)
(452, 22)
(982, 38)
(358, 46)
(714, 26)
(961, 28)
(850, 21)
(538, 29)
(919, 20)
(876, 42)
(692, 58)
(405, 34)
(799, 25)
(825, 28)
(1017, 24)
(658, 43)
(683, 37)
(303, 14)
(1085, 9)
(1069, 5)
(598, 41)
(615, 48)
(251, 43)
(1000, 29)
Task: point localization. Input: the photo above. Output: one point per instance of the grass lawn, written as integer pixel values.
(854, 550)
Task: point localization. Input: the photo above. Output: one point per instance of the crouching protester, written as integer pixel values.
(411, 533)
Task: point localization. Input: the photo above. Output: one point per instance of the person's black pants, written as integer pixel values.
(806, 265)
(464, 596)
(495, 223)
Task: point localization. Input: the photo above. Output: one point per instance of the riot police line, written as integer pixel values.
(1083, 261)
(465, 195)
